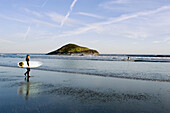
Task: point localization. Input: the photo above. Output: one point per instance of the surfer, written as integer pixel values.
(28, 59)
(28, 69)
(128, 59)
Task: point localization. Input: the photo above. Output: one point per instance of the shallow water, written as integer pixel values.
(51, 92)
(103, 65)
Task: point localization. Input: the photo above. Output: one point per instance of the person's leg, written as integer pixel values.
(26, 72)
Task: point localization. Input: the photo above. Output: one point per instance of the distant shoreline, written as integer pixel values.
(130, 55)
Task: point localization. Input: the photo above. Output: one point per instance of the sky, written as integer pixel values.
(109, 26)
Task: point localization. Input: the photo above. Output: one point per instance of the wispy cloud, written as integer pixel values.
(6, 41)
(115, 24)
(131, 6)
(12, 18)
(109, 4)
(166, 39)
(116, 2)
(41, 22)
(120, 1)
(90, 15)
(68, 13)
(156, 42)
(134, 43)
(57, 18)
(33, 12)
(27, 32)
(44, 3)
(135, 15)
(76, 31)
(29, 21)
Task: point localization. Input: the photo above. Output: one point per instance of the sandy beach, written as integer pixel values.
(51, 92)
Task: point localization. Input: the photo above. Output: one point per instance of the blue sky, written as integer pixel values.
(110, 26)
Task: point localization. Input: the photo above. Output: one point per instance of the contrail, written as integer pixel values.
(68, 14)
(29, 27)
(44, 3)
(27, 32)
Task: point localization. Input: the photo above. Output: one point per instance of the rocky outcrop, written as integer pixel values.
(73, 49)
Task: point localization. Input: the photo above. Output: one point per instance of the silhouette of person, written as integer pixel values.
(28, 69)
(27, 72)
(27, 59)
(128, 58)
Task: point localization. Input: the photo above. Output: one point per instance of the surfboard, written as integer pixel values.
(32, 64)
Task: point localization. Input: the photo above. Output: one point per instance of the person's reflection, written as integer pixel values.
(25, 87)
(27, 83)
(27, 76)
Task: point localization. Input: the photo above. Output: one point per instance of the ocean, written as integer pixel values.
(140, 67)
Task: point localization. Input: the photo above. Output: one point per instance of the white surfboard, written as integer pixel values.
(32, 64)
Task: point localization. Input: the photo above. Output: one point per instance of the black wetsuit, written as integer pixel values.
(27, 59)
(28, 69)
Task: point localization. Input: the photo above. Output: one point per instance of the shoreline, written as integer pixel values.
(93, 74)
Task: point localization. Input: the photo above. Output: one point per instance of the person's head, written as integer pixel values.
(28, 56)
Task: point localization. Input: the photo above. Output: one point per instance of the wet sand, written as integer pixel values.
(56, 92)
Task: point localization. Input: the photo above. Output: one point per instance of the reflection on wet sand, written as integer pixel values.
(29, 89)
(93, 96)
(5, 79)
(83, 95)
(21, 90)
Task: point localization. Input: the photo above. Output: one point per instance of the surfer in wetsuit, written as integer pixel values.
(27, 59)
(28, 69)
(128, 58)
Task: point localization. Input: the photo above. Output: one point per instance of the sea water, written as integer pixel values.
(143, 67)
